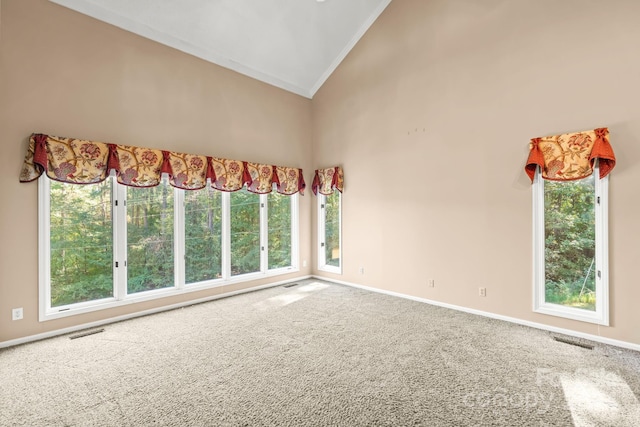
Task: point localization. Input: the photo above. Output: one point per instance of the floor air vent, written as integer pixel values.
(290, 285)
(86, 333)
(572, 342)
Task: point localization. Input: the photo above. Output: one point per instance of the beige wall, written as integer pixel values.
(430, 116)
(65, 74)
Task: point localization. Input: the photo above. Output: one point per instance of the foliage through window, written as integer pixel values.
(569, 225)
(106, 243)
(81, 246)
(279, 230)
(203, 235)
(245, 232)
(571, 248)
(329, 232)
(149, 238)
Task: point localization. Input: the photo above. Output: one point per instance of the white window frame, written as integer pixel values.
(119, 215)
(322, 261)
(601, 314)
(295, 234)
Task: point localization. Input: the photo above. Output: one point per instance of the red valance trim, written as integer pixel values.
(112, 162)
(246, 176)
(316, 183)
(166, 165)
(40, 152)
(536, 158)
(301, 184)
(603, 151)
(211, 173)
(275, 179)
(38, 161)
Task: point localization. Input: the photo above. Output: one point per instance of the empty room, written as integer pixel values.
(319, 212)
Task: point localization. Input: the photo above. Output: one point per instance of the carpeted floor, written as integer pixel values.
(317, 354)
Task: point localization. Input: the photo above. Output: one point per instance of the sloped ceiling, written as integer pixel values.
(292, 44)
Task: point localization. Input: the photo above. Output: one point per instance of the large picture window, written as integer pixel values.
(571, 272)
(102, 245)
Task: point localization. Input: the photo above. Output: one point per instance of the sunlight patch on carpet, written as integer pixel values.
(600, 398)
(290, 297)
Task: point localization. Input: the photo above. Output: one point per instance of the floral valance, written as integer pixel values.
(326, 180)
(571, 156)
(289, 180)
(77, 161)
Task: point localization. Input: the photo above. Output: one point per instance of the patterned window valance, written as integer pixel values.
(571, 156)
(77, 161)
(289, 180)
(228, 175)
(261, 177)
(326, 180)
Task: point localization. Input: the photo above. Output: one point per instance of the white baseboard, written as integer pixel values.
(95, 324)
(569, 332)
(595, 338)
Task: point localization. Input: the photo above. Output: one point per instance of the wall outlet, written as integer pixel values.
(304, 262)
(482, 292)
(361, 270)
(17, 313)
(432, 283)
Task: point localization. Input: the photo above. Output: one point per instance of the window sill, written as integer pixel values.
(578, 314)
(330, 269)
(107, 303)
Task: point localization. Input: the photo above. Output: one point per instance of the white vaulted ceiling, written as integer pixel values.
(292, 44)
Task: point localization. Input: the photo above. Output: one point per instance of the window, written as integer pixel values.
(245, 232)
(203, 235)
(330, 232)
(80, 243)
(150, 246)
(103, 245)
(570, 248)
(280, 237)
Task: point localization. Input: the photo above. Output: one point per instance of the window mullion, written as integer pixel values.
(321, 230)
(264, 234)
(179, 238)
(340, 230)
(602, 246)
(119, 239)
(295, 234)
(44, 249)
(226, 236)
(538, 241)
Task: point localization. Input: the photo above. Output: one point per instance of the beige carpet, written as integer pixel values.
(317, 354)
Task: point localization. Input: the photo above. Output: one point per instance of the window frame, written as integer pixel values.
(322, 220)
(119, 224)
(601, 314)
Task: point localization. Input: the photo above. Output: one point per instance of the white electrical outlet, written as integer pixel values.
(432, 283)
(482, 292)
(304, 262)
(361, 270)
(17, 313)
